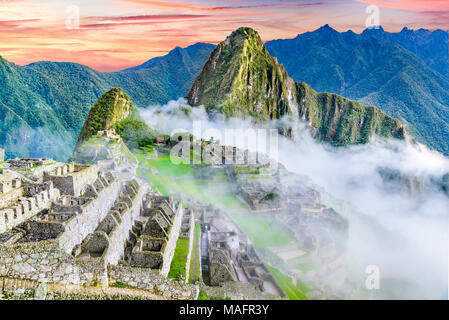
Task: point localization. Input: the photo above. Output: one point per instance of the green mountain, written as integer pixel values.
(241, 78)
(113, 110)
(112, 107)
(341, 121)
(387, 70)
(43, 105)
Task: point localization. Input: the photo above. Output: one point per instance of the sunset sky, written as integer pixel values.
(115, 34)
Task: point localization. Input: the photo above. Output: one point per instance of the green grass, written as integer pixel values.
(261, 230)
(203, 296)
(178, 264)
(293, 292)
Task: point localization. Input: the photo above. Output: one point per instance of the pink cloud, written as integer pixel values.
(410, 4)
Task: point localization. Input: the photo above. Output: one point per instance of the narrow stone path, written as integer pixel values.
(105, 291)
(195, 255)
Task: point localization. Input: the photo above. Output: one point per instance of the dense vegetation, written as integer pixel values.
(404, 74)
(135, 133)
(241, 78)
(43, 105)
(341, 121)
(111, 107)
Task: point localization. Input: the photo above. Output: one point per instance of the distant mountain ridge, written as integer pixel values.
(376, 69)
(430, 46)
(43, 105)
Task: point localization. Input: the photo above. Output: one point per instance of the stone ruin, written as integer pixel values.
(153, 241)
(111, 134)
(21, 201)
(28, 163)
(231, 258)
(89, 225)
(107, 150)
(84, 226)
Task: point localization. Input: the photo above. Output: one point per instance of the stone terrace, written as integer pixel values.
(79, 225)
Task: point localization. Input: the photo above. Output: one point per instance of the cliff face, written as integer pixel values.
(112, 107)
(341, 121)
(241, 79)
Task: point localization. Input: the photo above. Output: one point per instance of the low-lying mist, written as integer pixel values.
(394, 194)
(41, 142)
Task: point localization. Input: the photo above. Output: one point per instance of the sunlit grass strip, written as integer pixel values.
(178, 264)
(292, 291)
(170, 178)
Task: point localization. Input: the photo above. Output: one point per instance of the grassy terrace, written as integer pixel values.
(178, 264)
(294, 292)
(167, 177)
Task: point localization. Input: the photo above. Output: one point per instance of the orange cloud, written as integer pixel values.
(116, 34)
(171, 5)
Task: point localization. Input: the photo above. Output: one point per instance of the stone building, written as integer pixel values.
(71, 179)
(155, 243)
(19, 202)
(231, 257)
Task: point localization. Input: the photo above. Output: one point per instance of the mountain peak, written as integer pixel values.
(326, 29)
(111, 107)
(242, 34)
(245, 31)
(242, 78)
